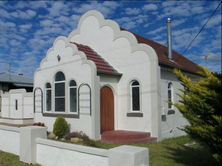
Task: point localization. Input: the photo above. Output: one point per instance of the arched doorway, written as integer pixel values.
(106, 109)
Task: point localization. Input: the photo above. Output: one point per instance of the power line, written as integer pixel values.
(199, 32)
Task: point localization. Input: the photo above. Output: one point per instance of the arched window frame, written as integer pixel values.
(59, 92)
(135, 91)
(170, 95)
(48, 98)
(73, 89)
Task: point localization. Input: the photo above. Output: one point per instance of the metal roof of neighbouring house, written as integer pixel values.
(178, 60)
(17, 80)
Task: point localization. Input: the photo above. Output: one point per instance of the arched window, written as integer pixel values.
(60, 92)
(170, 95)
(72, 96)
(48, 92)
(135, 95)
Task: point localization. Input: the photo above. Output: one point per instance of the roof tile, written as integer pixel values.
(101, 64)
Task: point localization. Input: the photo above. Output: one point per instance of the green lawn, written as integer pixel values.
(8, 159)
(173, 152)
(169, 152)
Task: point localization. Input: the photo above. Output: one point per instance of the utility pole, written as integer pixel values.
(206, 59)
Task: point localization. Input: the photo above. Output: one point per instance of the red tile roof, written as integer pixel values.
(179, 61)
(101, 64)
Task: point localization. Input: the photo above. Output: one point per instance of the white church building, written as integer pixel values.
(101, 78)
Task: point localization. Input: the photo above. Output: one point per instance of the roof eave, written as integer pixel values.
(171, 67)
(103, 73)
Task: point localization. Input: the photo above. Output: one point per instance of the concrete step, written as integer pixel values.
(128, 137)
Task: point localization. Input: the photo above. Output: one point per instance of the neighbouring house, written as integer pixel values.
(10, 81)
(103, 77)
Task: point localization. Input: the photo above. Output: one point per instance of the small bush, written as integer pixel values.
(39, 124)
(60, 127)
(86, 140)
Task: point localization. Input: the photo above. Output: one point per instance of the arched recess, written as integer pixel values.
(84, 99)
(106, 109)
(38, 99)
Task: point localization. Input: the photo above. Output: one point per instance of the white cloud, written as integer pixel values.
(19, 37)
(111, 4)
(123, 20)
(168, 3)
(197, 10)
(46, 23)
(156, 31)
(26, 26)
(58, 9)
(150, 7)
(26, 15)
(14, 42)
(177, 22)
(20, 5)
(157, 37)
(104, 8)
(6, 25)
(215, 20)
(14, 14)
(132, 11)
(4, 13)
(129, 25)
(63, 19)
(38, 4)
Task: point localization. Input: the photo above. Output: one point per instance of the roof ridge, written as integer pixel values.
(15, 74)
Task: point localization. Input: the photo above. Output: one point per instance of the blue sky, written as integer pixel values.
(29, 28)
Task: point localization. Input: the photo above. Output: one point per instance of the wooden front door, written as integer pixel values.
(106, 109)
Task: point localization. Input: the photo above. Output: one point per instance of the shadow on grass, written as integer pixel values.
(191, 155)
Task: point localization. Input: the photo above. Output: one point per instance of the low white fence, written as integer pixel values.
(31, 145)
(9, 139)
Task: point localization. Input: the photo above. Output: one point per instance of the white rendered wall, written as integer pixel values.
(74, 66)
(31, 145)
(133, 60)
(171, 122)
(9, 139)
(24, 104)
(5, 106)
(52, 153)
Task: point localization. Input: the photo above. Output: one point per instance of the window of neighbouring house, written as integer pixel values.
(60, 92)
(48, 97)
(72, 97)
(170, 95)
(16, 104)
(135, 96)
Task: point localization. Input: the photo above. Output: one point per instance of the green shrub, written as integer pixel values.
(86, 140)
(60, 127)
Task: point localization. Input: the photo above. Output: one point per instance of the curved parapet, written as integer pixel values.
(64, 52)
(106, 32)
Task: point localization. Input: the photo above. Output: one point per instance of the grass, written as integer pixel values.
(173, 152)
(169, 152)
(8, 159)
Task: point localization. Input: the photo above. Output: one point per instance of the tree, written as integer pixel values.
(201, 105)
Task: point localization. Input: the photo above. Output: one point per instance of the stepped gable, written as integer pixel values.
(101, 64)
(179, 61)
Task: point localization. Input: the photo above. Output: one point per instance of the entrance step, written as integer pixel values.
(127, 137)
